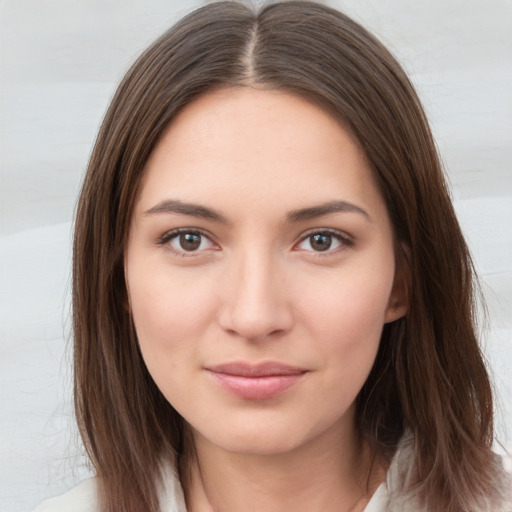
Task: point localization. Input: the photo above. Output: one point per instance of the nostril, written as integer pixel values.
(256, 325)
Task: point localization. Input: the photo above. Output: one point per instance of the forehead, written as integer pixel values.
(268, 148)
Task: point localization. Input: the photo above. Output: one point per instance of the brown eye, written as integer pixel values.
(321, 241)
(188, 241)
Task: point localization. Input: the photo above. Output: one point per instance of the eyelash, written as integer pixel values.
(170, 235)
(344, 240)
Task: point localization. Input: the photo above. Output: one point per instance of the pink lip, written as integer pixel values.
(256, 382)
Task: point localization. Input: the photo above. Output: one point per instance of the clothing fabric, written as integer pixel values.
(83, 497)
(387, 498)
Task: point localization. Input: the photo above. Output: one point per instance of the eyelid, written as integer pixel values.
(173, 233)
(345, 240)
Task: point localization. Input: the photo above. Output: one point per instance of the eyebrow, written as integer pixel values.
(325, 209)
(196, 210)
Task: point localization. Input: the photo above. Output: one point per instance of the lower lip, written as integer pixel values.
(257, 388)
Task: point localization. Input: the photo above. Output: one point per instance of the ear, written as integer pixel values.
(126, 301)
(398, 303)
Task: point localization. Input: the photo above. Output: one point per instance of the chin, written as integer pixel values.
(256, 444)
(267, 435)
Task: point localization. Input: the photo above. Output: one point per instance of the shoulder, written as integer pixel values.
(82, 498)
(507, 484)
(401, 474)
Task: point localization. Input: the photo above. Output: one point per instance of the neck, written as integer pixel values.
(331, 473)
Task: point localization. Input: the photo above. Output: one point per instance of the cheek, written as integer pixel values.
(350, 299)
(171, 314)
(345, 315)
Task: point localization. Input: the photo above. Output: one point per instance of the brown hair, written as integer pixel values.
(429, 376)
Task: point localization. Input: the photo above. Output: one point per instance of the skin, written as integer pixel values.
(257, 289)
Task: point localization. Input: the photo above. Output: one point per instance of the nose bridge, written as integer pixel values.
(255, 305)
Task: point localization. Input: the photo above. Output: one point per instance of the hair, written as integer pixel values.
(429, 377)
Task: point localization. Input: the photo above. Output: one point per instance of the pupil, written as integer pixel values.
(321, 241)
(190, 241)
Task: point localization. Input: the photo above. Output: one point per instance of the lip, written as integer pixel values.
(261, 381)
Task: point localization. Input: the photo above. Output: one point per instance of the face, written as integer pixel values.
(260, 270)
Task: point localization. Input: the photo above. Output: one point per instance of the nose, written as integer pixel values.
(254, 303)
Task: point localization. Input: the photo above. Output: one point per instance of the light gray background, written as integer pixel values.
(60, 61)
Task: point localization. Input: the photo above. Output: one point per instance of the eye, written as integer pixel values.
(187, 241)
(323, 241)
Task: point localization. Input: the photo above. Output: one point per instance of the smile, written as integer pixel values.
(256, 382)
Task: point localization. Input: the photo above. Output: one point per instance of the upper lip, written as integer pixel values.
(264, 369)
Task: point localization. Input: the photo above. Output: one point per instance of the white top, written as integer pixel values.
(82, 498)
(387, 497)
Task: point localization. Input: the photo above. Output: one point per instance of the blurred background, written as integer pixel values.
(60, 61)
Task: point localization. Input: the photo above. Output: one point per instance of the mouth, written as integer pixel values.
(256, 382)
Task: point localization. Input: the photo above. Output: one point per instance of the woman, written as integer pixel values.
(273, 301)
